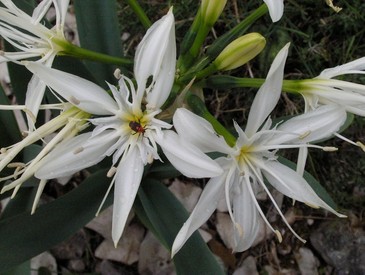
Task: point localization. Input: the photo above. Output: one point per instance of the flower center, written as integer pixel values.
(136, 127)
(245, 155)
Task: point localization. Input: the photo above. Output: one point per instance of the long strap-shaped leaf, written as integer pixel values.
(97, 24)
(24, 236)
(166, 215)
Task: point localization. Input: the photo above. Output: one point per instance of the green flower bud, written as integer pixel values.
(211, 10)
(240, 51)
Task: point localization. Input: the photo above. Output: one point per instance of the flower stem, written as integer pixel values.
(82, 53)
(140, 13)
(229, 82)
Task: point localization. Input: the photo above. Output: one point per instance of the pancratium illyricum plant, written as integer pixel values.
(127, 125)
(253, 158)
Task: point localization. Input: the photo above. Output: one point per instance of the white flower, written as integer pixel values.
(276, 9)
(28, 35)
(253, 158)
(70, 121)
(128, 128)
(323, 89)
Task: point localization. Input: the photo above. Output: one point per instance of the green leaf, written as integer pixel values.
(97, 24)
(21, 269)
(317, 187)
(9, 133)
(166, 215)
(163, 170)
(25, 236)
(21, 203)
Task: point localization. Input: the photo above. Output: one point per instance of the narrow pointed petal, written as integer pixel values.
(127, 181)
(198, 131)
(33, 99)
(187, 158)
(269, 93)
(245, 215)
(276, 9)
(351, 67)
(205, 207)
(61, 6)
(40, 11)
(291, 184)
(84, 94)
(311, 126)
(76, 154)
(157, 50)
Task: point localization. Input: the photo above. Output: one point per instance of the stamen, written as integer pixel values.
(111, 172)
(74, 100)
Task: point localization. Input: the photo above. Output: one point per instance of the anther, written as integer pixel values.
(78, 150)
(278, 235)
(304, 135)
(117, 73)
(329, 148)
(111, 172)
(74, 100)
(16, 165)
(361, 145)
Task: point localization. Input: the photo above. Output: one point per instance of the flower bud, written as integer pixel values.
(211, 10)
(240, 51)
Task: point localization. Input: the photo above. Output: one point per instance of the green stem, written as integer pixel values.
(229, 82)
(140, 13)
(199, 108)
(82, 53)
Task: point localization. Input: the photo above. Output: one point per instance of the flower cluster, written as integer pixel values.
(155, 117)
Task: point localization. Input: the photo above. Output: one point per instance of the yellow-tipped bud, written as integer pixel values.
(240, 51)
(211, 10)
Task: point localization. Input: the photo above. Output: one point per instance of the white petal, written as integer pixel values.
(311, 126)
(33, 99)
(40, 11)
(276, 9)
(187, 158)
(84, 94)
(154, 52)
(61, 7)
(291, 184)
(269, 93)
(356, 66)
(198, 131)
(75, 154)
(205, 207)
(245, 215)
(127, 181)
